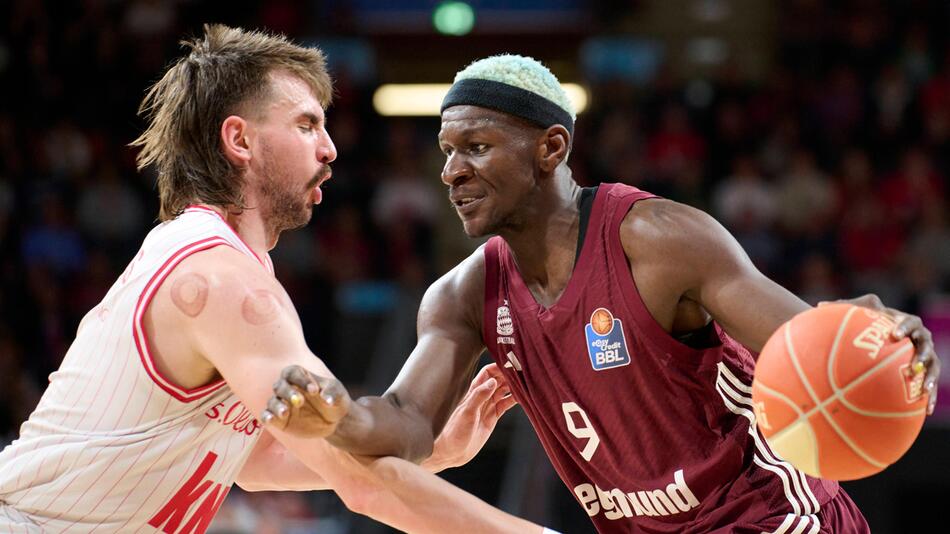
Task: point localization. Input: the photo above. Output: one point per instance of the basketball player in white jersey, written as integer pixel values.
(150, 418)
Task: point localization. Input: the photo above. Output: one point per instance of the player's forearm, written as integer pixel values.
(415, 501)
(378, 426)
(401, 494)
(271, 467)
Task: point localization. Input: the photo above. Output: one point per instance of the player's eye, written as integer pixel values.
(478, 148)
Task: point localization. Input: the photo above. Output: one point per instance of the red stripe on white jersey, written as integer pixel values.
(138, 331)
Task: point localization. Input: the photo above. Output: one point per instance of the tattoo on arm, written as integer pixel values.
(190, 294)
(260, 307)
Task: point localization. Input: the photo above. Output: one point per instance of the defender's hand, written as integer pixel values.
(925, 359)
(306, 404)
(473, 420)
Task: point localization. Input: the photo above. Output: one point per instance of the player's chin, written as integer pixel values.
(302, 218)
(475, 227)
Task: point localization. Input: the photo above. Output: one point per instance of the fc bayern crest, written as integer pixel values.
(504, 324)
(606, 344)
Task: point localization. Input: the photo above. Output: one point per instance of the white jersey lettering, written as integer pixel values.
(675, 498)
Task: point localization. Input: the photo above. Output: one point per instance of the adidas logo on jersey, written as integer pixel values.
(513, 362)
(615, 504)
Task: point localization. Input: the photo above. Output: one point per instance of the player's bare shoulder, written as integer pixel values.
(678, 247)
(224, 283)
(660, 227)
(211, 293)
(458, 296)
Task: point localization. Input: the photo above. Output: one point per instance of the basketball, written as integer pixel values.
(602, 321)
(834, 394)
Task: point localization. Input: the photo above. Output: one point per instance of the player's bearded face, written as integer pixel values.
(286, 199)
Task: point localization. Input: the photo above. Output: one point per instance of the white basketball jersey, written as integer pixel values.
(113, 445)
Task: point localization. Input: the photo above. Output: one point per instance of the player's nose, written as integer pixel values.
(326, 151)
(456, 170)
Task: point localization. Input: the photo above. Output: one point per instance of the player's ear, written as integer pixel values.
(553, 146)
(234, 143)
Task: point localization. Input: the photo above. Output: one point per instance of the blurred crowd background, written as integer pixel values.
(817, 132)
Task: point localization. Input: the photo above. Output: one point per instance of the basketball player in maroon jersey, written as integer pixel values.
(626, 325)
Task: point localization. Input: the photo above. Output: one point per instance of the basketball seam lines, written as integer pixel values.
(802, 417)
(839, 393)
(820, 405)
(834, 385)
(832, 355)
(729, 379)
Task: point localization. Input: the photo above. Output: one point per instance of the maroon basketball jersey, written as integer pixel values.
(649, 434)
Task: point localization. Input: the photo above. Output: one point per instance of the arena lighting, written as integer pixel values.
(453, 18)
(424, 99)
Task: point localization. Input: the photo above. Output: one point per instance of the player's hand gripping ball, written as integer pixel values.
(837, 393)
(305, 404)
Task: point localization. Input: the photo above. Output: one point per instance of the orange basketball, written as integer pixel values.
(834, 395)
(601, 321)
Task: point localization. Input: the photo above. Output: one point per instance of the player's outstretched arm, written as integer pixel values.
(691, 256)
(416, 501)
(463, 436)
(404, 421)
(271, 467)
(390, 490)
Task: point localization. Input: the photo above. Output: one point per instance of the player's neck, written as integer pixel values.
(545, 246)
(249, 226)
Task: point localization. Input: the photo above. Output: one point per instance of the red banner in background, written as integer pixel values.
(936, 316)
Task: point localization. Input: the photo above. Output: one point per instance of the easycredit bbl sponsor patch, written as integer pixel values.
(606, 344)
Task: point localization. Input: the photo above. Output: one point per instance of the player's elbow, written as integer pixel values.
(250, 485)
(248, 480)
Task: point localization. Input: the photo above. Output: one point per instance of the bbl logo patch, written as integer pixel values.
(606, 344)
